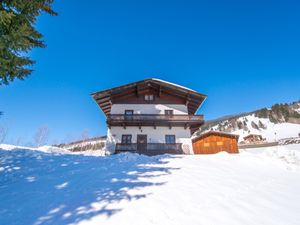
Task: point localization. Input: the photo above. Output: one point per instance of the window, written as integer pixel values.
(169, 112)
(206, 144)
(149, 97)
(128, 114)
(126, 139)
(170, 139)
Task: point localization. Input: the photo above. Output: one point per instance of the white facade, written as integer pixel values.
(154, 135)
(149, 108)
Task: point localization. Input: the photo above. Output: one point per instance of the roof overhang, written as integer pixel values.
(194, 99)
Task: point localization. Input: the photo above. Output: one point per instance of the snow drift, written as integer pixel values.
(258, 186)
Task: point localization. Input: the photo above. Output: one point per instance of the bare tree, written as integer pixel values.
(41, 135)
(18, 141)
(3, 134)
(85, 135)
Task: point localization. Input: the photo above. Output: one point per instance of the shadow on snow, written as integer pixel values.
(41, 188)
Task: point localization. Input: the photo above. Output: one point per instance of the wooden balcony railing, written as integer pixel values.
(154, 117)
(126, 147)
(151, 148)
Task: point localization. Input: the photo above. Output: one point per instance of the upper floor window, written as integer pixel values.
(149, 97)
(169, 112)
(128, 114)
(126, 139)
(170, 139)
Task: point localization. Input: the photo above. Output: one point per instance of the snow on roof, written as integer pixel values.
(177, 85)
(213, 132)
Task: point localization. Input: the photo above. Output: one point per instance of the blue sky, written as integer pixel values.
(243, 54)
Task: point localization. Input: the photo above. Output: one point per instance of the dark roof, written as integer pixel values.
(194, 99)
(216, 133)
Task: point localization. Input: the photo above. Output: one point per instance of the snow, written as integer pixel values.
(52, 149)
(176, 85)
(257, 186)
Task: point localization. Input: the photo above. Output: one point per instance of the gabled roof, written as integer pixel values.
(193, 99)
(216, 133)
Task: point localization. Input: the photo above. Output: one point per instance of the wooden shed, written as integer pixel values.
(213, 142)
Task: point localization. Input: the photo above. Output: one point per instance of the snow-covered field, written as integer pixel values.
(257, 186)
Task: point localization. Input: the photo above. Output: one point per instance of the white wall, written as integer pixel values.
(153, 135)
(149, 108)
(157, 135)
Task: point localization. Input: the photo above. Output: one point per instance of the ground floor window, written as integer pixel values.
(170, 139)
(126, 139)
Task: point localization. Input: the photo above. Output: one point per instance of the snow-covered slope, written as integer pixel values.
(89, 144)
(270, 131)
(258, 186)
(278, 122)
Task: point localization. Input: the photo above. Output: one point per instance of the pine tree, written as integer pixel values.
(18, 36)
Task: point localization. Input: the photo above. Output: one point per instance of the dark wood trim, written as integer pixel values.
(126, 142)
(151, 148)
(160, 88)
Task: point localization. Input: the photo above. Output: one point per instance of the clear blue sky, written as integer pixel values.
(243, 54)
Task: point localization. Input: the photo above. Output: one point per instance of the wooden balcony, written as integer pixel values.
(193, 121)
(150, 148)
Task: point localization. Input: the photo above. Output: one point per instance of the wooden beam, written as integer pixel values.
(103, 99)
(105, 108)
(137, 91)
(106, 111)
(104, 104)
(159, 91)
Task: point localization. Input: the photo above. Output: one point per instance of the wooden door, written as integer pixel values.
(141, 142)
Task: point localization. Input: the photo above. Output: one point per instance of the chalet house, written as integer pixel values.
(151, 117)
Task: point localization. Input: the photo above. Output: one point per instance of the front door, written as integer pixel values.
(141, 142)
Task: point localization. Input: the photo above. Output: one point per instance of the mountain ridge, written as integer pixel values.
(278, 121)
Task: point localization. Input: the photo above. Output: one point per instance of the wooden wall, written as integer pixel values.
(214, 144)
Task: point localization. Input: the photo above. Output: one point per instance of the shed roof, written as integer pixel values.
(216, 133)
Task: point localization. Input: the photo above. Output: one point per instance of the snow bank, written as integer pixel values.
(288, 155)
(52, 149)
(257, 186)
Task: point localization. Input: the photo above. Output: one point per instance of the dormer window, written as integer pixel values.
(149, 98)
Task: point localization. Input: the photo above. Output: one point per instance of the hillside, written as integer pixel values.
(89, 144)
(275, 123)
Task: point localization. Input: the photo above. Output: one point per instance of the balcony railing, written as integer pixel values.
(151, 148)
(154, 117)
